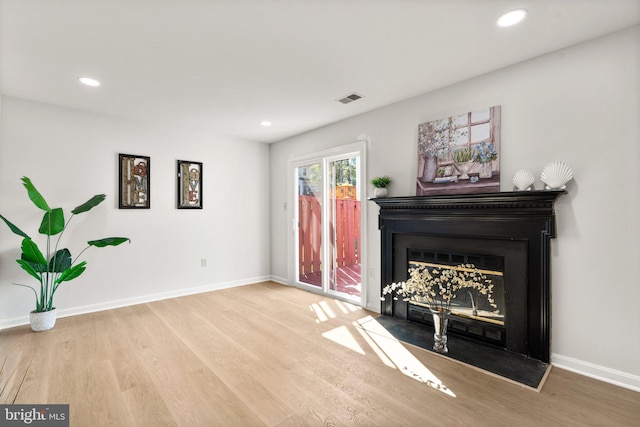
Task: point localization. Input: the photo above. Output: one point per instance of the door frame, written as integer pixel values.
(357, 148)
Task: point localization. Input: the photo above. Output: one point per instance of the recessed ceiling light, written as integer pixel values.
(265, 123)
(512, 18)
(89, 81)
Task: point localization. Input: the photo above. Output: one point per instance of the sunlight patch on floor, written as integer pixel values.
(402, 358)
(325, 307)
(342, 336)
(324, 312)
(377, 350)
(341, 306)
(321, 314)
(347, 307)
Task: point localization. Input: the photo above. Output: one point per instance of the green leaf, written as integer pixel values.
(72, 273)
(31, 253)
(35, 195)
(89, 204)
(28, 267)
(108, 241)
(60, 261)
(52, 222)
(38, 304)
(13, 228)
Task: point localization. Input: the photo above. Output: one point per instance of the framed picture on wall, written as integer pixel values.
(134, 181)
(189, 185)
(460, 154)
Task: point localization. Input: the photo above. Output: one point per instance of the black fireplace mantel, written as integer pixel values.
(525, 219)
(516, 204)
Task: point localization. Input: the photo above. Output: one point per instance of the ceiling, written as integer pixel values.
(222, 66)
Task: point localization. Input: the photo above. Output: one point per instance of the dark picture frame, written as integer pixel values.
(134, 181)
(189, 184)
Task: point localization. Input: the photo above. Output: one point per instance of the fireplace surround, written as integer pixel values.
(513, 228)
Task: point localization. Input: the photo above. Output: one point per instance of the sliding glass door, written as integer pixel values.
(344, 226)
(309, 219)
(328, 241)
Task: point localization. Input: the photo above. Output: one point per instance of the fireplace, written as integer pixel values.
(506, 235)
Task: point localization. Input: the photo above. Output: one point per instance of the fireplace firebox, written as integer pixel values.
(506, 235)
(472, 314)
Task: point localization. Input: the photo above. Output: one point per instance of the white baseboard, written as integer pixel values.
(92, 308)
(602, 373)
(281, 280)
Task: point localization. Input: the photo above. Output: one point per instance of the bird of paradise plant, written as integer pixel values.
(56, 265)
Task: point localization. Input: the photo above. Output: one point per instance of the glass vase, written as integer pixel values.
(485, 170)
(440, 322)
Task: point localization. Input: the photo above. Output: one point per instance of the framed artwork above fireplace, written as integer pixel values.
(460, 154)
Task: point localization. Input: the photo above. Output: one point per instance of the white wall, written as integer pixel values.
(580, 105)
(71, 155)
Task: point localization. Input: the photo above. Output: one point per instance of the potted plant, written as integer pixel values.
(55, 265)
(485, 154)
(380, 183)
(463, 160)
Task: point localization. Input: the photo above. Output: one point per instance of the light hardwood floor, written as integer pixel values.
(268, 354)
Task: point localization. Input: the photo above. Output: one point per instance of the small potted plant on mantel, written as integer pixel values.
(55, 266)
(380, 183)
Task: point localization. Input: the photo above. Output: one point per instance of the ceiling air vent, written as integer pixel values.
(349, 98)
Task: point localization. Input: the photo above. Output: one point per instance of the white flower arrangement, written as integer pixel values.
(435, 138)
(437, 286)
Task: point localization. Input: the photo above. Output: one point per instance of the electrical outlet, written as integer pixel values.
(203, 262)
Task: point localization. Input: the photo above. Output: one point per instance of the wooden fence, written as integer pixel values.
(347, 230)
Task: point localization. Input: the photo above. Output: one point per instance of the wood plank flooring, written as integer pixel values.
(268, 354)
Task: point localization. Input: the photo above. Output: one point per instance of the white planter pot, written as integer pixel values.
(42, 321)
(380, 192)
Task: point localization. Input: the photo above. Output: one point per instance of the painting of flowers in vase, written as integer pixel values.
(460, 154)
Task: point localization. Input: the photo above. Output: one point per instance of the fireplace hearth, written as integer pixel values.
(506, 234)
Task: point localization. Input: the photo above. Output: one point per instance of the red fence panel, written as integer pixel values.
(347, 229)
(348, 236)
(309, 234)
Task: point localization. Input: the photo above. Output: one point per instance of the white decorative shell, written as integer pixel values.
(523, 180)
(556, 175)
